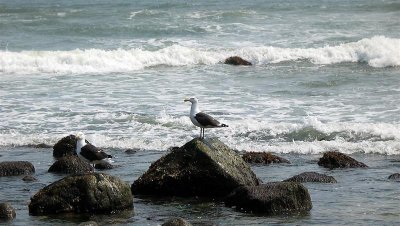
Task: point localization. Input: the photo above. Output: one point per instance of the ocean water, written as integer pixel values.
(325, 76)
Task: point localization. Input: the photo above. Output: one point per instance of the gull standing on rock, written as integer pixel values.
(202, 119)
(89, 152)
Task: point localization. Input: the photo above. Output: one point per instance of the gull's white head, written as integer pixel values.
(80, 136)
(191, 100)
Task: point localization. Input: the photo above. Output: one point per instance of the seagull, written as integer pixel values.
(89, 152)
(202, 119)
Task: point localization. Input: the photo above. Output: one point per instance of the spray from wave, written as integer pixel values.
(378, 51)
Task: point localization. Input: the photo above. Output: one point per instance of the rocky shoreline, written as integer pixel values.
(201, 168)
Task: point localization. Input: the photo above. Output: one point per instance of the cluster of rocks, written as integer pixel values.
(201, 168)
(208, 168)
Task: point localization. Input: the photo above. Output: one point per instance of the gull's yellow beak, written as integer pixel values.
(186, 99)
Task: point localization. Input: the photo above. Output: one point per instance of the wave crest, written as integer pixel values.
(378, 51)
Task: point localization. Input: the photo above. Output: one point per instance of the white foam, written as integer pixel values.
(377, 52)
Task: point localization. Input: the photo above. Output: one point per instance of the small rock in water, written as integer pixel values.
(236, 60)
(104, 166)
(65, 147)
(132, 150)
(29, 178)
(311, 177)
(271, 198)
(70, 165)
(263, 158)
(7, 212)
(335, 159)
(395, 176)
(176, 221)
(16, 168)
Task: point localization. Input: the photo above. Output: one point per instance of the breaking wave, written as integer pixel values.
(378, 51)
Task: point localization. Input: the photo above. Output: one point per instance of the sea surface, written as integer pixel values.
(325, 76)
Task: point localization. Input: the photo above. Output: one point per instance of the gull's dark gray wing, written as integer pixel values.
(92, 153)
(206, 120)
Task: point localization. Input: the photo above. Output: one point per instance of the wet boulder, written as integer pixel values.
(201, 167)
(312, 177)
(84, 193)
(15, 168)
(271, 198)
(263, 158)
(71, 165)
(7, 212)
(236, 60)
(176, 221)
(395, 177)
(65, 147)
(335, 159)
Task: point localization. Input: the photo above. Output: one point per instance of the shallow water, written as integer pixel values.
(361, 196)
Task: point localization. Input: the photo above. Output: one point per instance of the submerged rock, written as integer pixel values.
(236, 60)
(85, 193)
(206, 168)
(176, 221)
(311, 177)
(335, 159)
(7, 212)
(88, 223)
(29, 178)
(15, 168)
(271, 198)
(65, 147)
(71, 165)
(395, 176)
(263, 158)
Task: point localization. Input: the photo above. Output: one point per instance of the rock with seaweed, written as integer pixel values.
(16, 168)
(83, 193)
(335, 159)
(272, 198)
(201, 167)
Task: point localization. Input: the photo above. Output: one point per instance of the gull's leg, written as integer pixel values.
(200, 131)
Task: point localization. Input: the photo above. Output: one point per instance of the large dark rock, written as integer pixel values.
(271, 198)
(235, 60)
(71, 165)
(312, 177)
(263, 158)
(65, 147)
(85, 193)
(206, 168)
(335, 159)
(176, 221)
(7, 212)
(395, 176)
(15, 168)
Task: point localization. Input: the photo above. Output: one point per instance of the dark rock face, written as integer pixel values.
(395, 176)
(235, 60)
(71, 165)
(312, 177)
(65, 147)
(205, 168)
(271, 198)
(177, 222)
(15, 168)
(7, 212)
(263, 158)
(85, 193)
(335, 159)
